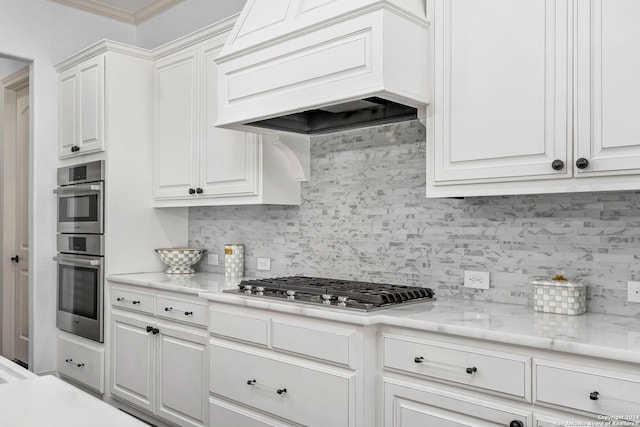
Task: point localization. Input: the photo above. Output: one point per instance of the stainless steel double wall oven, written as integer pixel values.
(80, 245)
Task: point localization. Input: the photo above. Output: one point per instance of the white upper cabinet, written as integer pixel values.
(197, 163)
(533, 97)
(608, 88)
(81, 109)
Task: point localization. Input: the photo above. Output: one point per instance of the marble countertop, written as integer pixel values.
(27, 400)
(589, 334)
(192, 284)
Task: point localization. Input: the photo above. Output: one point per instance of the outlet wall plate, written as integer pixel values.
(633, 291)
(477, 279)
(212, 259)
(264, 264)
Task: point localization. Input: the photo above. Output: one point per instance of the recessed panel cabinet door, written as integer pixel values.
(608, 88)
(176, 137)
(68, 131)
(501, 104)
(133, 361)
(91, 105)
(229, 158)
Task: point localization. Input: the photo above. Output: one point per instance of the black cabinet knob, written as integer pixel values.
(419, 359)
(471, 370)
(582, 163)
(135, 302)
(199, 190)
(155, 331)
(149, 328)
(168, 308)
(192, 191)
(251, 382)
(557, 165)
(188, 313)
(75, 148)
(281, 390)
(15, 258)
(594, 395)
(516, 423)
(119, 299)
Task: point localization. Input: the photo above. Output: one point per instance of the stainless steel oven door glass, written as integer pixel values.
(80, 208)
(80, 291)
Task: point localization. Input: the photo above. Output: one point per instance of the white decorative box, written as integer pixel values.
(559, 296)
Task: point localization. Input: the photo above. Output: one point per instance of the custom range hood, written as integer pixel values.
(318, 66)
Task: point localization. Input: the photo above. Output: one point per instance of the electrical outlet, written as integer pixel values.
(477, 279)
(633, 291)
(264, 264)
(212, 259)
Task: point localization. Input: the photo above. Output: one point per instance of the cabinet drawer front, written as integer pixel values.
(423, 406)
(184, 311)
(331, 345)
(573, 387)
(306, 395)
(130, 300)
(222, 414)
(238, 326)
(501, 372)
(81, 363)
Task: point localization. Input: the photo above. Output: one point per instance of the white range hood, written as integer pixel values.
(317, 66)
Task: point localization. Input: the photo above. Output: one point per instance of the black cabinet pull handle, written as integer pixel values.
(472, 370)
(557, 165)
(192, 191)
(251, 382)
(594, 395)
(188, 313)
(582, 163)
(168, 308)
(68, 360)
(281, 391)
(75, 148)
(15, 258)
(418, 359)
(155, 331)
(135, 302)
(149, 329)
(516, 423)
(199, 190)
(80, 365)
(119, 299)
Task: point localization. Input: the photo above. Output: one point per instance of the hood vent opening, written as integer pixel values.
(349, 115)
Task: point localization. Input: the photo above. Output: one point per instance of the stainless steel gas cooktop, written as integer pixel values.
(347, 294)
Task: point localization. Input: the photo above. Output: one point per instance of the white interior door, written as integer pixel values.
(21, 207)
(15, 224)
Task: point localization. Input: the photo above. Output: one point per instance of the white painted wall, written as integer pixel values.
(184, 18)
(10, 66)
(43, 32)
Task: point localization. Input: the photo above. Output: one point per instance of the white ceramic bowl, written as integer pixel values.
(180, 260)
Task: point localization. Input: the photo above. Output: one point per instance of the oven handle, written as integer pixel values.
(76, 261)
(76, 188)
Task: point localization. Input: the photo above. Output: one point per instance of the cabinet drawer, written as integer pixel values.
(238, 326)
(405, 405)
(130, 300)
(81, 362)
(327, 344)
(301, 394)
(222, 414)
(500, 372)
(587, 389)
(184, 311)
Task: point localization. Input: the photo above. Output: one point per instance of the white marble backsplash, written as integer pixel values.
(364, 215)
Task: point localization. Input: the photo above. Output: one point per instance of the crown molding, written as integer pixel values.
(99, 48)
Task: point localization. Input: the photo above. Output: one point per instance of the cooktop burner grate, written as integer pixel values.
(333, 292)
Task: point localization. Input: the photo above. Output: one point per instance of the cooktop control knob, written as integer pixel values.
(247, 289)
(291, 294)
(326, 299)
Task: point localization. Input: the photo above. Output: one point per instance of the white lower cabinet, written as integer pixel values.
(160, 366)
(294, 371)
(407, 405)
(81, 361)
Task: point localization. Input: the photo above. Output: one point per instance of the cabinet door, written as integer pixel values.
(67, 110)
(91, 103)
(501, 90)
(132, 370)
(228, 158)
(408, 407)
(608, 88)
(176, 135)
(182, 387)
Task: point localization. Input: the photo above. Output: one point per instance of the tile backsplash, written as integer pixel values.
(364, 215)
